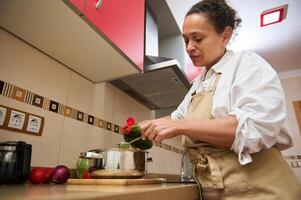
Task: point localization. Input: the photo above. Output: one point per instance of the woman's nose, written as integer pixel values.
(190, 47)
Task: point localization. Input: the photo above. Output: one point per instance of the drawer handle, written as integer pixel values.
(98, 4)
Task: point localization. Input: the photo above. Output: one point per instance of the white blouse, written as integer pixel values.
(250, 89)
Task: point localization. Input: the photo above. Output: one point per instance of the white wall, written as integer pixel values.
(291, 82)
(63, 138)
(179, 9)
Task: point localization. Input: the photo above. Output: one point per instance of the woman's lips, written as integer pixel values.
(195, 57)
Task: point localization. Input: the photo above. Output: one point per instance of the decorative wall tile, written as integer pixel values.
(28, 97)
(61, 110)
(46, 103)
(53, 106)
(68, 111)
(80, 116)
(295, 160)
(90, 120)
(32, 121)
(18, 94)
(7, 89)
(37, 100)
(96, 121)
(286, 157)
(116, 129)
(100, 123)
(109, 126)
(85, 118)
(74, 114)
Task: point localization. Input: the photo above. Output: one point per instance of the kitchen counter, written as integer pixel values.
(167, 191)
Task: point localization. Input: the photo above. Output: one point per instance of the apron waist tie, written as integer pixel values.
(206, 170)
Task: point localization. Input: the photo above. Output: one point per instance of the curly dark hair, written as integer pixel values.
(218, 12)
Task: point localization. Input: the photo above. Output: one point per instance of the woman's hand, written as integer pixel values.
(158, 130)
(219, 131)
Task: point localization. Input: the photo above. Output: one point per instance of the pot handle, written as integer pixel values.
(103, 153)
(147, 160)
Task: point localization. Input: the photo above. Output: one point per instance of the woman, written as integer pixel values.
(232, 117)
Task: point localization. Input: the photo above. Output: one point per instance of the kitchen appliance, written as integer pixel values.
(123, 163)
(15, 160)
(163, 84)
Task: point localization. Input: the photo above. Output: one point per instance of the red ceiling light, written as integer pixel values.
(273, 16)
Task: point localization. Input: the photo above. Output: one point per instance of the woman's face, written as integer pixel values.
(203, 44)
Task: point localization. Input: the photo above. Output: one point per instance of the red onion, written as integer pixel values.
(60, 174)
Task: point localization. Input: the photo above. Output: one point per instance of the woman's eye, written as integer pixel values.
(198, 39)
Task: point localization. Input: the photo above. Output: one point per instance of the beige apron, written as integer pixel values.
(219, 174)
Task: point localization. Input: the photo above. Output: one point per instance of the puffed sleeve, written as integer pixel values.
(258, 102)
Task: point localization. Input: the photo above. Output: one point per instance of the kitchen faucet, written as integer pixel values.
(186, 169)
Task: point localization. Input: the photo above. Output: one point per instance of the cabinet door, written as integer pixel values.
(78, 4)
(122, 22)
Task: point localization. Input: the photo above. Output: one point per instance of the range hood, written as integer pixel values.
(161, 85)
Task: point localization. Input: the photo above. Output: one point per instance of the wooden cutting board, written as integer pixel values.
(140, 181)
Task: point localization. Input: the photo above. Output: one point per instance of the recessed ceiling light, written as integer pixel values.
(273, 16)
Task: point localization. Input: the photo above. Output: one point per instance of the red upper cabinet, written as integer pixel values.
(78, 4)
(122, 22)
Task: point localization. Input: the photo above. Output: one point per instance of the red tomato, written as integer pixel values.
(87, 174)
(37, 175)
(47, 175)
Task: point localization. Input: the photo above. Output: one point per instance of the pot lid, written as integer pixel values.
(91, 155)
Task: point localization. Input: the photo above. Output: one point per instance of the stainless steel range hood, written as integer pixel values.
(161, 85)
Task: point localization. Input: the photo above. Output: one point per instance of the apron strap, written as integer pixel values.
(216, 173)
(213, 87)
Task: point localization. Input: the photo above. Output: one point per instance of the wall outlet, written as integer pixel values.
(294, 164)
(34, 124)
(16, 120)
(2, 115)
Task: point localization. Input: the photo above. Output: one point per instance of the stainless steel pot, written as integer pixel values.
(90, 160)
(123, 163)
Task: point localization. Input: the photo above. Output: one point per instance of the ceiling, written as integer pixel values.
(279, 44)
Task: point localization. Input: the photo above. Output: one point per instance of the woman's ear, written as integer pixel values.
(227, 34)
